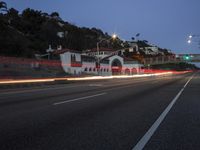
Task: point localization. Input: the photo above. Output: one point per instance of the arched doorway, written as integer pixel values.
(116, 67)
(134, 71)
(127, 71)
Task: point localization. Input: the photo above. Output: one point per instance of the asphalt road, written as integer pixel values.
(115, 114)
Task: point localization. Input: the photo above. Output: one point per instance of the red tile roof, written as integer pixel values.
(103, 49)
(60, 51)
(64, 51)
(105, 58)
(128, 58)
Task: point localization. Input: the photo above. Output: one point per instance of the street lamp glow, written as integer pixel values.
(189, 41)
(114, 36)
(190, 36)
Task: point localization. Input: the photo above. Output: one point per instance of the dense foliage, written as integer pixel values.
(176, 66)
(33, 31)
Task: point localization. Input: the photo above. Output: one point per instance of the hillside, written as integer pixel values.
(33, 31)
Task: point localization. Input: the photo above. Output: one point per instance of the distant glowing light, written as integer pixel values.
(187, 57)
(190, 36)
(114, 36)
(189, 41)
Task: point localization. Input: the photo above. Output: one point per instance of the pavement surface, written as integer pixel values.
(117, 114)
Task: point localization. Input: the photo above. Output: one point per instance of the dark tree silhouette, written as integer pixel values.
(3, 6)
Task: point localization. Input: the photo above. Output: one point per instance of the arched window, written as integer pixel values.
(127, 71)
(85, 69)
(73, 58)
(134, 71)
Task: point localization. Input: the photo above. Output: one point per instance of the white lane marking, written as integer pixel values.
(97, 85)
(81, 98)
(143, 141)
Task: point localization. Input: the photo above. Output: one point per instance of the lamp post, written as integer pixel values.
(114, 36)
(191, 37)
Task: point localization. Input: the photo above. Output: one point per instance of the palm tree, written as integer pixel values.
(3, 6)
(132, 38)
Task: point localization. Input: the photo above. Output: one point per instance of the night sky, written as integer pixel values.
(166, 23)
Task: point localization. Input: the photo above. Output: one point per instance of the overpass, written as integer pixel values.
(172, 59)
(188, 57)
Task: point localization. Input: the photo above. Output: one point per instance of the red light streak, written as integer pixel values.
(153, 73)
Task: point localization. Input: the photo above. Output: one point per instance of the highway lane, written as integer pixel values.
(180, 130)
(111, 114)
(9, 96)
(47, 95)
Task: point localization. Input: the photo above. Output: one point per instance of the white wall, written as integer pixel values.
(130, 67)
(66, 63)
(105, 69)
(90, 67)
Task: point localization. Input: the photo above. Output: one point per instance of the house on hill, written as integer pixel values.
(103, 62)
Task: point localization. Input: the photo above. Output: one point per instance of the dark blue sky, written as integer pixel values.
(166, 23)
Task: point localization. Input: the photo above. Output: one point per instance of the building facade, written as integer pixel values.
(104, 62)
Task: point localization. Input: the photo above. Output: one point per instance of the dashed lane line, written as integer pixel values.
(78, 99)
(144, 140)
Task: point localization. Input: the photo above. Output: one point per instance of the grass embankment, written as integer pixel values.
(182, 66)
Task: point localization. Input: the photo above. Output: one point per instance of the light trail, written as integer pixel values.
(117, 77)
(13, 81)
(26, 81)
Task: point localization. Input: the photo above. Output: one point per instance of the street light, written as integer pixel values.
(194, 36)
(190, 37)
(189, 41)
(114, 36)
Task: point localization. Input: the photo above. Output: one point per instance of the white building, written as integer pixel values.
(153, 50)
(110, 63)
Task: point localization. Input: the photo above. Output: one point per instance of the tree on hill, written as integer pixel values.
(38, 30)
(3, 6)
(143, 43)
(54, 14)
(13, 18)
